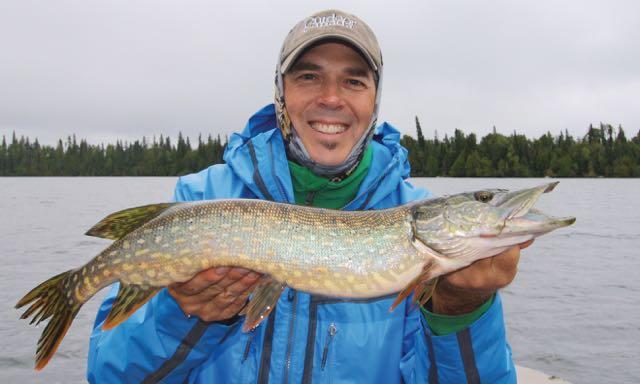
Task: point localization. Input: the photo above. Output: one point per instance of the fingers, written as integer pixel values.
(505, 267)
(488, 274)
(200, 281)
(224, 306)
(216, 293)
(526, 244)
(239, 283)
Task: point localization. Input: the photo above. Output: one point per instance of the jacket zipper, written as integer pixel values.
(267, 344)
(293, 297)
(311, 339)
(332, 330)
(308, 200)
(247, 346)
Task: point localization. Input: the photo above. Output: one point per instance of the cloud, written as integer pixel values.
(104, 69)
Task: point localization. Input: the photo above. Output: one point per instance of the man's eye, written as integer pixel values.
(355, 83)
(307, 76)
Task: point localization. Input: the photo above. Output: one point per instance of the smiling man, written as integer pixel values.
(319, 146)
(330, 94)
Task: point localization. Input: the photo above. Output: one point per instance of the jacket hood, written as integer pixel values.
(257, 157)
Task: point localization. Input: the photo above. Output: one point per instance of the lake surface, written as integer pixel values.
(573, 311)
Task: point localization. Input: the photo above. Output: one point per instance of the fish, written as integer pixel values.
(348, 254)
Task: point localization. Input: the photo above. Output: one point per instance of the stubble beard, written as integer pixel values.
(330, 145)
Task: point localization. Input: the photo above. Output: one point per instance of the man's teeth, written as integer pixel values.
(329, 128)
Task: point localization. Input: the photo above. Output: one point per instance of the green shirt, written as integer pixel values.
(443, 324)
(317, 191)
(311, 189)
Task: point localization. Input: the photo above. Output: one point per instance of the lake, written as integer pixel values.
(573, 310)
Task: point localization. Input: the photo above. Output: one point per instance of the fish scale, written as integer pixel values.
(357, 254)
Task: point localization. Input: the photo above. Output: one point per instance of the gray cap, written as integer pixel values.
(331, 24)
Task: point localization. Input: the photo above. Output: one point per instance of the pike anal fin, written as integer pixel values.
(264, 299)
(130, 298)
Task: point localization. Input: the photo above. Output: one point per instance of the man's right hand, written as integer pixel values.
(215, 294)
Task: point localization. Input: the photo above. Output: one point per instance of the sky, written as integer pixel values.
(124, 69)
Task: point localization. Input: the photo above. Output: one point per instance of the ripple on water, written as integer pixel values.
(14, 362)
(611, 236)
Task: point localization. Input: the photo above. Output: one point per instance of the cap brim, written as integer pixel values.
(291, 58)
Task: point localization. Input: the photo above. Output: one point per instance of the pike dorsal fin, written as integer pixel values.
(118, 224)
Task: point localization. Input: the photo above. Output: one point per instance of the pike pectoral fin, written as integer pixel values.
(424, 291)
(422, 288)
(264, 299)
(118, 224)
(129, 299)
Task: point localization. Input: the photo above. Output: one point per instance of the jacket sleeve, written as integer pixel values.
(476, 354)
(158, 342)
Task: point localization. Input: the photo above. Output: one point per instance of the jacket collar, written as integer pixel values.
(257, 156)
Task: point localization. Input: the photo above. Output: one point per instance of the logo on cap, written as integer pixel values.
(329, 21)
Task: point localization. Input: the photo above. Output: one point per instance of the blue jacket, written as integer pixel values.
(307, 338)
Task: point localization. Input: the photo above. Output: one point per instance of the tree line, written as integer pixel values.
(603, 151)
(160, 157)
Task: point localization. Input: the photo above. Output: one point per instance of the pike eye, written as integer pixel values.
(483, 196)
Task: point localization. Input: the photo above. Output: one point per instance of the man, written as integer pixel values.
(317, 146)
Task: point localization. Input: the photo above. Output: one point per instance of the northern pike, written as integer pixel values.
(353, 254)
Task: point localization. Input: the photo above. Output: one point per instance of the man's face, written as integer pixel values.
(330, 95)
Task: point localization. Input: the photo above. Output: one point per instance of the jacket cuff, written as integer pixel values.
(478, 353)
(444, 324)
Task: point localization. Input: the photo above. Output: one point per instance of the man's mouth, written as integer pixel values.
(328, 128)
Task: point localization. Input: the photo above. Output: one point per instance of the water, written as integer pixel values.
(573, 311)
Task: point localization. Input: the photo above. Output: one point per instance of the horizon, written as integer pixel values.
(174, 139)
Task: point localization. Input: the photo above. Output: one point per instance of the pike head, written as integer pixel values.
(470, 226)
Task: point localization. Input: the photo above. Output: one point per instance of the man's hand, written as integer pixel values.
(463, 291)
(215, 294)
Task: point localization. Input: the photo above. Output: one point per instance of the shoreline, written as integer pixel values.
(531, 376)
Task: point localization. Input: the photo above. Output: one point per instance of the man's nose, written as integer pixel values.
(330, 95)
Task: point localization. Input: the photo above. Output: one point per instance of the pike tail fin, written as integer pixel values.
(264, 299)
(48, 299)
(129, 299)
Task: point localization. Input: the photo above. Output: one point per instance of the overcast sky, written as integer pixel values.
(126, 69)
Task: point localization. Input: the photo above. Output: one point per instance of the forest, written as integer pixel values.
(604, 151)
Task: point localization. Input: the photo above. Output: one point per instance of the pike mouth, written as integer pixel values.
(536, 223)
(518, 203)
(328, 128)
(520, 217)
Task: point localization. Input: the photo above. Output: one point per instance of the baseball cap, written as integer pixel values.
(330, 24)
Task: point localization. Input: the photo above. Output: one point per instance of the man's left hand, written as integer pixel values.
(463, 291)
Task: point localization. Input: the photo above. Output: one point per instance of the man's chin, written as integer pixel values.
(329, 160)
